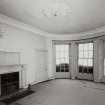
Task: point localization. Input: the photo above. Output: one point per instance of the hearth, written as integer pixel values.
(9, 83)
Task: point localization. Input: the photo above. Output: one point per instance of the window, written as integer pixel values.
(62, 58)
(85, 58)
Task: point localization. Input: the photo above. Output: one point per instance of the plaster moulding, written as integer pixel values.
(15, 23)
(55, 10)
(12, 22)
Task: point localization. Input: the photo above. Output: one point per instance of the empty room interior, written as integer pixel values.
(52, 52)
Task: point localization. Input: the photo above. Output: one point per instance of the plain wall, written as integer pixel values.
(32, 49)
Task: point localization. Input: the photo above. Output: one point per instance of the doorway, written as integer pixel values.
(85, 61)
(62, 60)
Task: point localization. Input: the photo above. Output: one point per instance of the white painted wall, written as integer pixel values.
(51, 60)
(32, 48)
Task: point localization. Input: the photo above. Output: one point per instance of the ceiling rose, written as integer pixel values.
(55, 10)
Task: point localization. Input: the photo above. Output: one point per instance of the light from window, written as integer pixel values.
(85, 58)
(62, 58)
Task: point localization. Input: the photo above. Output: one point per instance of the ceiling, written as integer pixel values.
(57, 16)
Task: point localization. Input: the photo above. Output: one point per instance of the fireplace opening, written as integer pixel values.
(9, 83)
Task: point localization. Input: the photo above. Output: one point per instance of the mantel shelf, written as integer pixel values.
(9, 68)
(12, 65)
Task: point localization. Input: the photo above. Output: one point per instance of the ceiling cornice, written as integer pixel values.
(13, 22)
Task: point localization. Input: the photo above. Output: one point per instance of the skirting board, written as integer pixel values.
(34, 83)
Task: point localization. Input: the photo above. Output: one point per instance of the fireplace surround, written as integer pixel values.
(12, 73)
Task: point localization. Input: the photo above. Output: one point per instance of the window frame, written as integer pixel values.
(64, 58)
(92, 58)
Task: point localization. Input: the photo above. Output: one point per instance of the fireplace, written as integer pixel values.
(12, 73)
(9, 83)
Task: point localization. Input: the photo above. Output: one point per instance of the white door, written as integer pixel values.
(62, 60)
(85, 61)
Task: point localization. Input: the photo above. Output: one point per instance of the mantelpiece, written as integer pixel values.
(10, 63)
(10, 68)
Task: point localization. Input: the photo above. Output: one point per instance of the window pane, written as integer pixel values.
(66, 55)
(85, 70)
(85, 54)
(61, 54)
(62, 47)
(90, 62)
(67, 61)
(66, 70)
(66, 66)
(62, 61)
(85, 63)
(81, 54)
(90, 69)
(67, 48)
(57, 68)
(57, 55)
(80, 69)
(90, 54)
(80, 61)
(90, 46)
(59, 47)
(62, 70)
(80, 47)
(85, 47)
(57, 61)
(62, 66)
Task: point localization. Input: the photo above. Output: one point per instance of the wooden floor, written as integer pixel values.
(65, 92)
